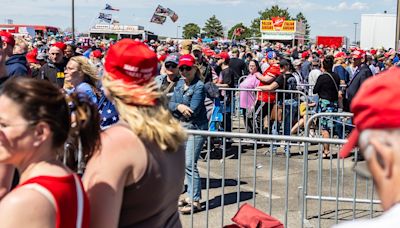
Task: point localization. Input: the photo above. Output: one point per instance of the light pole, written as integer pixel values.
(177, 31)
(397, 26)
(73, 20)
(355, 32)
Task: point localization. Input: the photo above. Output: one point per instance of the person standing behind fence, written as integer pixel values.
(286, 101)
(361, 73)
(187, 105)
(34, 129)
(313, 77)
(248, 98)
(377, 133)
(136, 178)
(327, 88)
(266, 99)
(237, 65)
(226, 80)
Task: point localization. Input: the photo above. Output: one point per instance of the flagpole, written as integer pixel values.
(73, 21)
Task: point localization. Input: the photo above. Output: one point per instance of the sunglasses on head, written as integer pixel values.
(170, 65)
(187, 68)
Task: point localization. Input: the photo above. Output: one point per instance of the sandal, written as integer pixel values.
(188, 208)
(326, 155)
(183, 202)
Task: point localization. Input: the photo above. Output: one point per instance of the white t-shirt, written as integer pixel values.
(389, 219)
(312, 79)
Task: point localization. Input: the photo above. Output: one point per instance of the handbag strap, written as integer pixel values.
(168, 89)
(334, 82)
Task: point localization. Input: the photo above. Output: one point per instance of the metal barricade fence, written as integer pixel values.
(335, 187)
(293, 107)
(301, 191)
(244, 173)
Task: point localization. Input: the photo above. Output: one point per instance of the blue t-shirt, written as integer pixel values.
(85, 88)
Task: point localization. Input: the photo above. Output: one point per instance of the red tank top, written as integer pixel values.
(72, 204)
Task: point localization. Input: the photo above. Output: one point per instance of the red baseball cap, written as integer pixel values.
(222, 55)
(186, 60)
(358, 54)
(31, 57)
(131, 61)
(305, 55)
(7, 38)
(340, 55)
(60, 45)
(367, 108)
(97, 54)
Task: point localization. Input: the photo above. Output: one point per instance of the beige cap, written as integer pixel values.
(186, 47)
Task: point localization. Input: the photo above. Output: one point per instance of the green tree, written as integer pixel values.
(213, 28)
(302, 18)
(245, 34)
(267, 14)
(191, 30)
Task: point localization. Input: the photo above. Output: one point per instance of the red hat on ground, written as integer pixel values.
(31, 57)
(186, 60)
(7, 38)
(97, 54)
(131, 61)
(222, 55)
(358, 54)
(60, 45)
(368, 114)
(305, 55)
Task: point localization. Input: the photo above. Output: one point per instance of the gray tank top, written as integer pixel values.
(152, 201)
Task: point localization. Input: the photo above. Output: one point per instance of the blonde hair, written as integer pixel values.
(149, 122)
(87, 69)
(21, 46)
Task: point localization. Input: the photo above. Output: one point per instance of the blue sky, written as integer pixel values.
(326, 17)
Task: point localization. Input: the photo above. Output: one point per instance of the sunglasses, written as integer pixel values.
(187, 68)
(170, 65)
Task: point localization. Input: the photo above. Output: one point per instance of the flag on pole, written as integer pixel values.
(238, 31)
(161, 11)
(174, 17)
(109, 7)
(158, 19)
(105, 17)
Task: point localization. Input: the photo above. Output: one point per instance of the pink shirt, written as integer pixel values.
(248, 98)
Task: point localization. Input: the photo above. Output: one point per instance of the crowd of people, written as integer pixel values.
(115, 114)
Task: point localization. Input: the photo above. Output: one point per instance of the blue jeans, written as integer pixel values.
(194, 145)
(291, 111)
(290, 115)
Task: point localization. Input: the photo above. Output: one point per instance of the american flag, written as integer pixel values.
(108, 112)
(109, 7)
(105, 17)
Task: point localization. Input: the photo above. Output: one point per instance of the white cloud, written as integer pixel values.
(342, 6)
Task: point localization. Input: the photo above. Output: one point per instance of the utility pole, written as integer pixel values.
(355, 32)
(397, 26)
(73, 21)
(177, 30)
